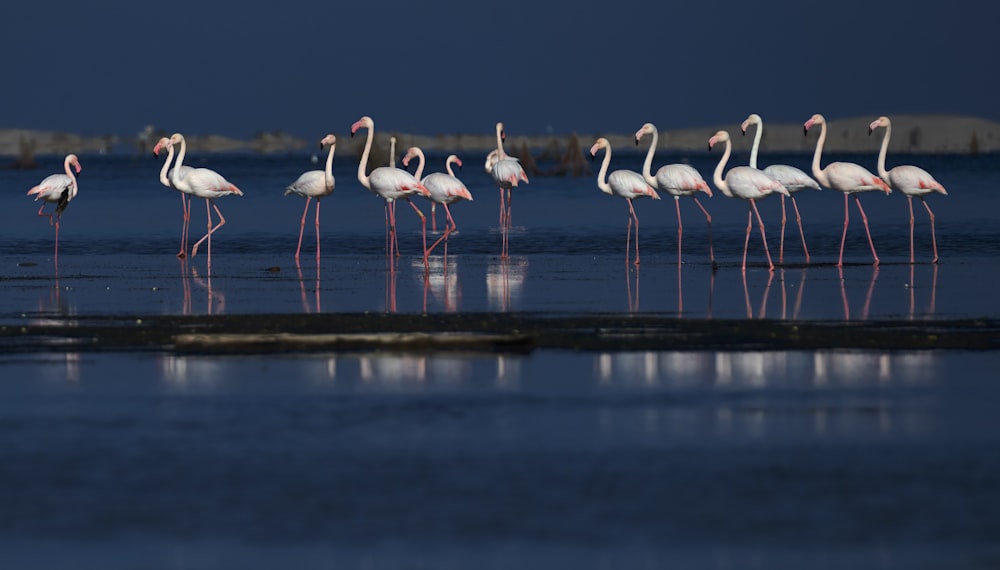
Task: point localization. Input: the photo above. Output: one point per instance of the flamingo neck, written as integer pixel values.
(362, 176)
(166, 166)
(420, 164)
(69, 172)
(602, 183)
(818, 172)
(175, 176)
(756, 144)
(329, 167)
(647, 166)
(448, 163)
(392, 152)
(881, 154)
(500, 153)
(720, 183)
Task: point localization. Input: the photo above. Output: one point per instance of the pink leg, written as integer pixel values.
(434, 219)
(680, 229)
(864, 220)
(423, 229)
(449, 227)
(770, 265)
(317, 232)
(933, 237)
(302, 227)
(628, 238)
(56, 260)
(708, 218)
(510, 198)
(211, 229)
(843, 238)
(746, 242)
(186, 210)
(802, 234)
(781, 241)
(503, 210)
(395, 230)
(909, 202)
(631, 211)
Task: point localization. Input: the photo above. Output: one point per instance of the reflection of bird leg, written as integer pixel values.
(931, 306)
(843, 293)
(767, 292)
(911, 286)
(798, 296)
(746, 296)
(784, 299)
(868, 296)
(680, 293)
(711, 290)
(302, 284)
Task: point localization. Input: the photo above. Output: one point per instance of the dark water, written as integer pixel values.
(826, 459)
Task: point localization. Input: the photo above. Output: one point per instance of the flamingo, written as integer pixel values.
(623, 183)
(203, 183)
(314, 184)
(391, 184)
(793, 179)
(846, 177)
(165, 172)
(910, 180)
(746, 183)
(507, 173)
(444, 189)
(677, 180)
(59, 189)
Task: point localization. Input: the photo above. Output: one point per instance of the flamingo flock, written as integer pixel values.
(393, 184)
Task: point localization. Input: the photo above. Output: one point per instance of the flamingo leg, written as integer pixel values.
(56, 259)
(423, 222)
(434, 221)
(211, 229)
(708, 218)
(502, 209)
(631, 211)
(746, 242)
(449, 227)
(510, 198)
(933, 237)
(802, 234)
(395, 232)
(317, 232)
(909, 202)
(680, 229)
(781, 241)
(186, 218)
(770, 265)
(302, 227)
(864, 220)
(843, 237)
(628, 238)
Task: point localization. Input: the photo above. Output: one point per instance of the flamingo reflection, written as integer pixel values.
(763, 301)
(933, 297)
(302, 290)
(868, 296)
(442, 282)
(633, 296)
(215, 300)
(798, 296)
(505, 281)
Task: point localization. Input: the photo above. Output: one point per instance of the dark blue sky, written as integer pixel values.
(312, 67)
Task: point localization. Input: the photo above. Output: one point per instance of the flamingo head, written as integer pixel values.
(71, 159)
(453, 159)
(328, 140)
(646, 129)
(500, 132)
(176, 138)
(753, 119)
(411, 153)
(598, 145)
(491, 160)
(816, 119)
(721, 136)
(363, 122)
(164, 142)
(882, 121)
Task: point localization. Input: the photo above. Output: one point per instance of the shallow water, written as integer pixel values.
(770, 459)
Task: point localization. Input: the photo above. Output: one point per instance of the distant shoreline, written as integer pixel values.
(913, 134)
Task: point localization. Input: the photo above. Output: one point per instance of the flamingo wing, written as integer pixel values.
(311, 184)
(53, 187)
(914, 181)
(395, 183)
(681, 180)
(629, 184)
(751, 184)
(791, 178)
(445, 189)
(851, 177)
(508, 172)
(207, 183)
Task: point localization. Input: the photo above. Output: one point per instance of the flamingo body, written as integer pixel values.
(793, 179)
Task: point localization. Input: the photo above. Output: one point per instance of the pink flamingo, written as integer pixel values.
(203, 183)
(314, 184)
(59, 189)
(846, 177)
(793, 179)
(678, 180)
(910, 180)
(507, 173)
(165, 172)
(747, 183)
(445, 189)
(625, 184)
(391, 184)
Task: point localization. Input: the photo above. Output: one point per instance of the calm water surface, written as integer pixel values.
(826, 459)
